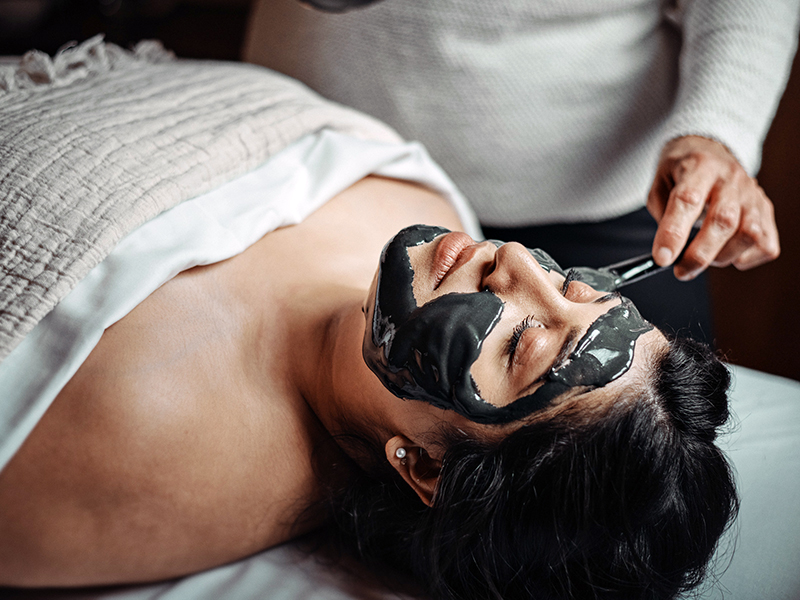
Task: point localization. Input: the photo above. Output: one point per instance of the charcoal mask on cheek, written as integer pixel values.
(425, 353)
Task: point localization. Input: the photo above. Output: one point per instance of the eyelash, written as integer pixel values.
(528, 322)
(572, 275)
(511, 349)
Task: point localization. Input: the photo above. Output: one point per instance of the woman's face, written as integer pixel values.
(488, 330)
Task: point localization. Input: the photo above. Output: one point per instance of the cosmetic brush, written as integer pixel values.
(626, 272)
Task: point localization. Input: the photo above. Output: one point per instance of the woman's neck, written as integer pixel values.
(329, 370)
(316, 276)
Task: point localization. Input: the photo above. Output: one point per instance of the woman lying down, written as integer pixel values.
(521, 434)
(464, 411)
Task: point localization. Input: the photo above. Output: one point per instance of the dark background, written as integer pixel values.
(191, 28)
(755, 312)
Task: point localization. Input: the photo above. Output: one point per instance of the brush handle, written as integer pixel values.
(633, 270)
(640, 267)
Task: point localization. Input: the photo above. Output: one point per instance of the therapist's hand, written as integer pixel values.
(698, 177)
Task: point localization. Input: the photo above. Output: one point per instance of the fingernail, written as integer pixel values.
(663, 256)
(686, 276)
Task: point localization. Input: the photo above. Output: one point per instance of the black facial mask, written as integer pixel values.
(426, 352)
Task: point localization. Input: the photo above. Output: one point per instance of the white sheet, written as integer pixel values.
(765, 449)
(98, 140)
(207, 229)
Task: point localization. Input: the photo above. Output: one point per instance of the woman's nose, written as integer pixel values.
(514, 270)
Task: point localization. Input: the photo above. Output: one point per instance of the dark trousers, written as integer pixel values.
(682, 308)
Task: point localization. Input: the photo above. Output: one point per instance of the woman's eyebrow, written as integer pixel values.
(607, 298)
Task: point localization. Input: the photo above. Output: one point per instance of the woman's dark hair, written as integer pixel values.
(628, 502)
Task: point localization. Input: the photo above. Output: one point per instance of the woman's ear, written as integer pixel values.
(415, 465)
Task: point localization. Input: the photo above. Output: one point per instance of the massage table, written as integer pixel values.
(757, 560)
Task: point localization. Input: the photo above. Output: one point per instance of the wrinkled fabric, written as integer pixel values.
(98, 140)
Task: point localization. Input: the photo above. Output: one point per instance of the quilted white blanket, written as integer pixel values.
(98, 140)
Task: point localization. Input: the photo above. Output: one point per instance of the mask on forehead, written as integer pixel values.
(426, 352)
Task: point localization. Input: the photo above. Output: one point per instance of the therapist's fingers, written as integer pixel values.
(739, 228)
(659, 193)
(717, 234)
(757, 230)
(698, 177)
(678, 198)
(766, 241)
(741, 241)
(755, 257)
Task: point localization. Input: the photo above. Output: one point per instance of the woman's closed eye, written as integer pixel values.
(516, 335)
(530, 321)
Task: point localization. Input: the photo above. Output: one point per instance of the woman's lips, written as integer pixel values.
(449, 248)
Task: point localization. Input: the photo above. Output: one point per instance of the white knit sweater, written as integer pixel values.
(550, 110)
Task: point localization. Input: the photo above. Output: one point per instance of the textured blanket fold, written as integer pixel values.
(98, 140)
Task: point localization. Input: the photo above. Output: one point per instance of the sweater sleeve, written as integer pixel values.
(734, 63)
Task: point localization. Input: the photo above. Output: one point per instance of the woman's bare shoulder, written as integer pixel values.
(160, 457)
(381, 206)
(170, 450)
